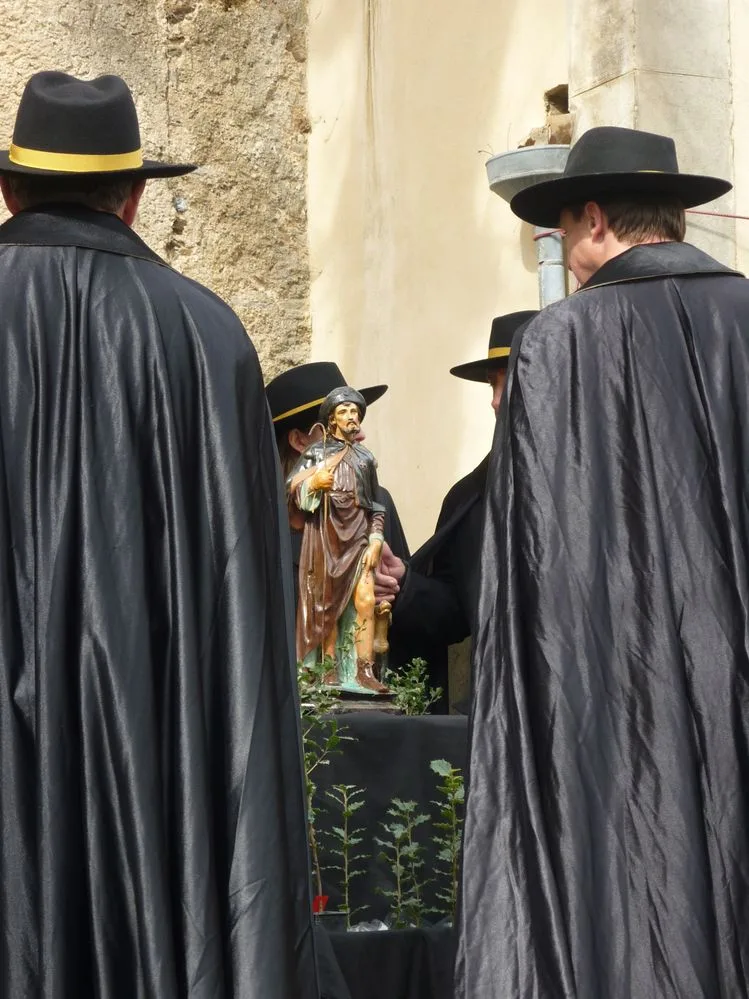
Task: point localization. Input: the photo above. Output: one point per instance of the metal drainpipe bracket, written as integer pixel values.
(512, 172)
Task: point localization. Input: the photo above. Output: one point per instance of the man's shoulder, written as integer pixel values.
(598, 305)
(187, 289)
(119, 259)
(210, 319)
(469, 488)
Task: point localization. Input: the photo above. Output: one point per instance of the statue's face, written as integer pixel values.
(346, 421)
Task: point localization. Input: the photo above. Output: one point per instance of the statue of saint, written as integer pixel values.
(333, 487)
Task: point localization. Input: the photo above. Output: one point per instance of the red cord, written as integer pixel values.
(690, 211)
(720, 215)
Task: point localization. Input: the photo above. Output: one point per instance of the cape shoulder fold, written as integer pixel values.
(460, 499)
(68, 225)
(656, 260)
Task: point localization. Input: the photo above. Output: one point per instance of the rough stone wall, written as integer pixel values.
(217, 82)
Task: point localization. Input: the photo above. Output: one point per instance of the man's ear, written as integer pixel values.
(298, 439)
(130, 209)
(11, 202)
(598, 224)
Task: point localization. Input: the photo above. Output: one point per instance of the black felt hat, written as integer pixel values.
(295, 396)
(612, 162)
(66, 127)
(500, 342)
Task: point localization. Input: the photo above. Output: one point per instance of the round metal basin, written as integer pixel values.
(511, 172)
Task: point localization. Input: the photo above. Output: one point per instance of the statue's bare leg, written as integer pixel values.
(328, 651)
(364, 602)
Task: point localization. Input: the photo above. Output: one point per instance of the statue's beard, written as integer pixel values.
(348, 433)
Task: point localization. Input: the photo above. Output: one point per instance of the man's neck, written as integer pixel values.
(617, 248)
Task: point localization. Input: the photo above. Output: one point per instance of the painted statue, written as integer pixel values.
(333, 487)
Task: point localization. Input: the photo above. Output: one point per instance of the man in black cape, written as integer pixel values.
(606, 847)
(153, 834)
(435, 594)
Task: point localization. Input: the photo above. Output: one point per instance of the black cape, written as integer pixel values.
(607, 832)
(437, 603)
(153, 835)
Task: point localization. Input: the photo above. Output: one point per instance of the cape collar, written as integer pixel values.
(656, 260)
(73, 225)
(333, 444)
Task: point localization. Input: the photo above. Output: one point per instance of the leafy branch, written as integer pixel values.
(448, 839)
(404, 854)
(321, 737)
(410, 685)
(349, 799)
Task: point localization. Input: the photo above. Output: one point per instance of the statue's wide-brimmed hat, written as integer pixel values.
(338, 396)
(67, 127)
(611, 162)
(295, 396)
(500, 343)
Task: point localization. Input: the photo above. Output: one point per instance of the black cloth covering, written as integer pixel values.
(389, 757)
(439, 592)
(606, 851)
(333, 984)
(153, 833)
(397, 964)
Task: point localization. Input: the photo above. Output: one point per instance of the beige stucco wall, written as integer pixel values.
(636, 63)
(411, 255)
(739, 34)
(217, 82)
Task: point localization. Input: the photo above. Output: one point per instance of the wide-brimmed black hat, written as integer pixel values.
(67, 127)
(612, 162)
(500, 342)
(295, 396)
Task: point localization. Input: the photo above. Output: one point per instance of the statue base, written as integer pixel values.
(350, 701)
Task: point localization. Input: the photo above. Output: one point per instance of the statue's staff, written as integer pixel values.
(325, 511)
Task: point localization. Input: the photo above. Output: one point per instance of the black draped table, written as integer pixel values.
(388, 756)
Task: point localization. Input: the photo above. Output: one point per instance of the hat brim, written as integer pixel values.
(150, 169)
(542, 204)
(304, 416)
(478, 371)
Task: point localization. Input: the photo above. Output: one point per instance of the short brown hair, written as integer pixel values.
(633, 221)
(99, 193)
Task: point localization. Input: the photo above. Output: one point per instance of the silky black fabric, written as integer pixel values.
(332, 982)
(397, 964)
(388, 757)
(439, 591)
(607, 834)
(151, 807)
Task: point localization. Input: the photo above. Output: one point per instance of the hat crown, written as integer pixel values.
(303, 384)
(504, 327)
(59, 113)
(609, 149)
